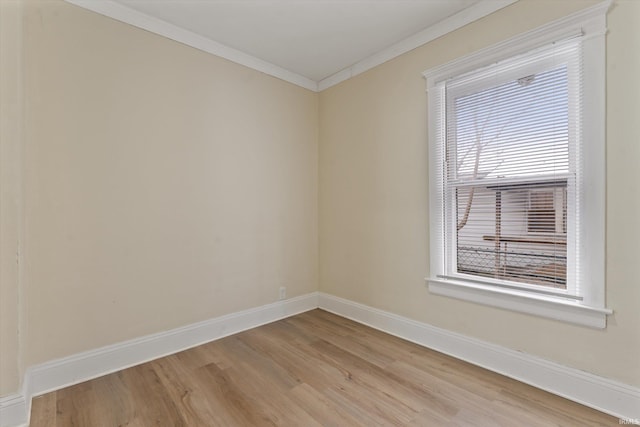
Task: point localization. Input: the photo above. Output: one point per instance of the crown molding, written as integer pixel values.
(141, 20)
(452, 23)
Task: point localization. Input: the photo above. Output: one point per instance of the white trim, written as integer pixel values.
(606, 395)
(13, 410)
(587, 20)
(84, 366)
(452, 23)
(609, 396)
(524, 302)
(138, 19)
(92, 364)
(593, 201)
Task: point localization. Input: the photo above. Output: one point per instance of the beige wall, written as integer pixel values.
(163, 185)
(374, 204)
(10, 200)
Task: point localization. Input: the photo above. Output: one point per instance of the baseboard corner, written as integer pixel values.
(80, 367)
(606, 395)
(14, 410)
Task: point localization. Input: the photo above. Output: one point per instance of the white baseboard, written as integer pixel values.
(612, 397)
(92, 364)
(617, 399)
(13, 410)
(54, 375)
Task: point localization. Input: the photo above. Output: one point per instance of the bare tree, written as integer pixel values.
(477, 147)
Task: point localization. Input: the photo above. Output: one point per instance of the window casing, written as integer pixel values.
(512, 130)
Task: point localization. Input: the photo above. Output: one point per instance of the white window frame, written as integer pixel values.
(589, 309)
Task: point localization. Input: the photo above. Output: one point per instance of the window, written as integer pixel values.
(516, 136)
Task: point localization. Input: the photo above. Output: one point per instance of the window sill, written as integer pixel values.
(539, 305)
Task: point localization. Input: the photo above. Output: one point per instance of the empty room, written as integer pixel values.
(319, 213)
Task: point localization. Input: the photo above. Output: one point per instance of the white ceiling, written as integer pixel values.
(303, 41)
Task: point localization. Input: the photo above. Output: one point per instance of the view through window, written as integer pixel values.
(508, 157)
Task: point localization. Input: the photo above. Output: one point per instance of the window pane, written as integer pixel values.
(515, 129)
(494, 236)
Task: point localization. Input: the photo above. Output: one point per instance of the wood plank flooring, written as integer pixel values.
(313, 369)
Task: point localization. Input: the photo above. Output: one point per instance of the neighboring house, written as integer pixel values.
(516, 233)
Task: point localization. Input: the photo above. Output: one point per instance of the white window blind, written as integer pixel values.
(510, 178)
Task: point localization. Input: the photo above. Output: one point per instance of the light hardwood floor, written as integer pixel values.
(308, 370)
